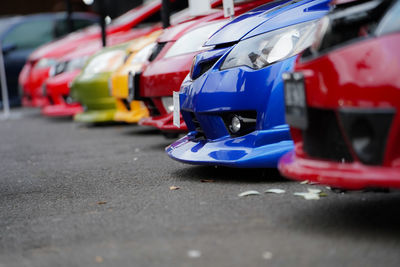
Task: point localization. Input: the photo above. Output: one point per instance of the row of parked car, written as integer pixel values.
(309, 86)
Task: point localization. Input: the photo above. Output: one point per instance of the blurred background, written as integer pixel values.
(22, 7)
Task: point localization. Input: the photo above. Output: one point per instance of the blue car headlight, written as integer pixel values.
(265, 49)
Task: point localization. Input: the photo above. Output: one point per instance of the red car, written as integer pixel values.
(170, 63)
(37, 68)
(343, 100)
(56, 87)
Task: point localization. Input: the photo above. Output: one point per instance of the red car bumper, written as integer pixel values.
(62, 110)
(32, 80)
(352, 176)
(34, 101)
(164, 123)
(57, 91)
(352, 139)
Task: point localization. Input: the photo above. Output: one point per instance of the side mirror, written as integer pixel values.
(8, 48)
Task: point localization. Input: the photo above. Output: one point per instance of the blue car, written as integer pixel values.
(232, 101)
(20, 35)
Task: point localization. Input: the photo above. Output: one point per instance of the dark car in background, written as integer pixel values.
(20, 35)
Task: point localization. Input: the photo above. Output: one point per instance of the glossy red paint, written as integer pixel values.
(163, 76)
(31, 80)
(32, 77)
(62, 110)
(57, 91)
(360, 75)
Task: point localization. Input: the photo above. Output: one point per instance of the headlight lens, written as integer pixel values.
(143, 54)
(65, 66)
(265, 49)
(320, 31)
(46, 63)
(194, 40)
(105, 62)
(76, 63)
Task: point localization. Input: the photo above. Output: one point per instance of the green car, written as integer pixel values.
(90, 88)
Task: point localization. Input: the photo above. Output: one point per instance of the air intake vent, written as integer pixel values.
(323, 138)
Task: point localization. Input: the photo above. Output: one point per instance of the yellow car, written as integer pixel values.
(127, 110)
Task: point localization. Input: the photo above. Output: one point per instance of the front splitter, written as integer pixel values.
(240, 152)
(96, 116)
(61, 110)
(353, 176)
(164, 123)
(130, 116)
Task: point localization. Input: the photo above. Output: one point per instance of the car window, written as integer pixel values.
(391, 21)
(61, 26)
(30, 34)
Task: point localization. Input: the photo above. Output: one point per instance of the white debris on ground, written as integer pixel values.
(267, 255)
(174, 187)
(312, 194)
(249, 193)
(194, 254)
(275, 191)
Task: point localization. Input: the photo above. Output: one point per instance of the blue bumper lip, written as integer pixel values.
(240, 152)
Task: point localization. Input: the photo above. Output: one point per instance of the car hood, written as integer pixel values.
(269, 17)
(84, 50)
(173, 33)
(91, 47)
(66, 44)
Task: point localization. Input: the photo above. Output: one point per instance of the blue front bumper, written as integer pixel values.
(259, 149)
(208, 101)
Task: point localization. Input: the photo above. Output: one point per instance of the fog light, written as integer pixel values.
(235, 125)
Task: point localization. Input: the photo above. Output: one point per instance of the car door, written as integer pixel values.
(19, 41)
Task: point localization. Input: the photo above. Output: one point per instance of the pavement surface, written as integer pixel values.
(73, 195)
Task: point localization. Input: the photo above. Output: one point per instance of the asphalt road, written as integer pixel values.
(72, 195)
